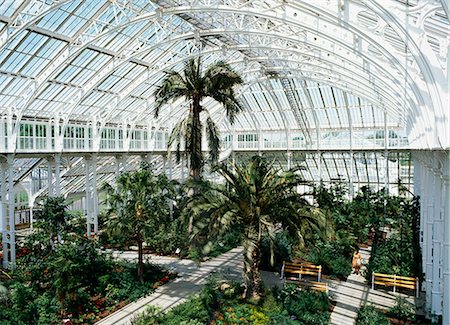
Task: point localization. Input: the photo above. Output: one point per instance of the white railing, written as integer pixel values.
(37, 136)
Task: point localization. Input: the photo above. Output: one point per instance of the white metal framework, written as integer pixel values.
(356, 90)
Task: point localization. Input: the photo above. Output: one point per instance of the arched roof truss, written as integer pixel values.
(307, 65)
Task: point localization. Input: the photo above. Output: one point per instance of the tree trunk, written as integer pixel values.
(140, 266)
(195, 153)
(252, 278)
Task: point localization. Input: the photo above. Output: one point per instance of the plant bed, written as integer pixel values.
(85, 295)
(220, 303)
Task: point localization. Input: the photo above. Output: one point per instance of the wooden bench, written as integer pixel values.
(312, 285)
(395, 281)
(301, 268)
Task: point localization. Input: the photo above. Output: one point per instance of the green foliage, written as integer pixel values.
(139, 207)
(369, 315)
(308, 307)
(221, 302)
(257, 199)
(400, 253)
(403, 309)
(282, 251)
(218, 82)
(69, 277)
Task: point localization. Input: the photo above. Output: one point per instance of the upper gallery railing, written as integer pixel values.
(44, 137)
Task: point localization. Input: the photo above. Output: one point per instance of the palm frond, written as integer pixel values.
(213, 140)
(171, 88)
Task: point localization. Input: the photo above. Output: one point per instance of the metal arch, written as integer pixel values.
(147, 16)
(154, 72)
(100, 79)
(144, 77)
(21, 23)
(348, 80)
(386, 48)
(446, 7)
(427, 60)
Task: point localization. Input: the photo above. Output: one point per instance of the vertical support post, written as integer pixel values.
(3, 202)
(3, 136)
(417, 287)
(31, 217)
(350, 184)
(429, 237)
(50, 177)
(446, 246)
(386, 154)
(12, 222)
(57, 164)
(289, 160)
(88, 195)
(94, 195)
(395, 282)
(436, 294)
(170, 178)
(373, 281)
(183, 168)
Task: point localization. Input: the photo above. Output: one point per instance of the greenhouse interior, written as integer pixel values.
(225, 162)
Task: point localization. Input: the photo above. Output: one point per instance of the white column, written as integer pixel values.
(446, 247)
(170, 201)
(50, 177)
(3, 168)
(94, 195)
(436, 293)
(88, 195)
(57, 164)
(429, 237)
(2, 136)
(12, 224)
(351, 188)
(183, 168)
(289, 159)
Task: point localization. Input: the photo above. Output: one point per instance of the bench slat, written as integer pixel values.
(392, 276)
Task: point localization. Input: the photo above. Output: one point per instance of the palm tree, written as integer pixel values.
(258, 199)
(139, 205)
(218, 82)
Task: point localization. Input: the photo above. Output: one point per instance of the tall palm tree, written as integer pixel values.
(218, 82)
(138, 206)
(259, 200)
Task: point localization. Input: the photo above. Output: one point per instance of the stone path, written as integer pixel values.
(191, 278)
(355, 292)
(349, 295)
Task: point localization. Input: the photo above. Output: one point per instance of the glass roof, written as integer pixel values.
(321, 70)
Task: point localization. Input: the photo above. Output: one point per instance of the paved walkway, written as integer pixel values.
(191, 278)
(354, 293)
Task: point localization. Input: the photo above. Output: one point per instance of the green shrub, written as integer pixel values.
(369, 315)
(282, 252)
(403, 309)
(308, 307)
(331, 257)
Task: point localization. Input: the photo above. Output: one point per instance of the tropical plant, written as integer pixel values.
(369, 315)
(218, 82)
(53, 218)
(260, 200)
(139, 205)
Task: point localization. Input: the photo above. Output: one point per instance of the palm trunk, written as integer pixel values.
(252, 278)
(195, 152)
(140, 266)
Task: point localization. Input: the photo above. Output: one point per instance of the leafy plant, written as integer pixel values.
(138, 207)
(403, 309)
(369, 315)
(257, 199)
